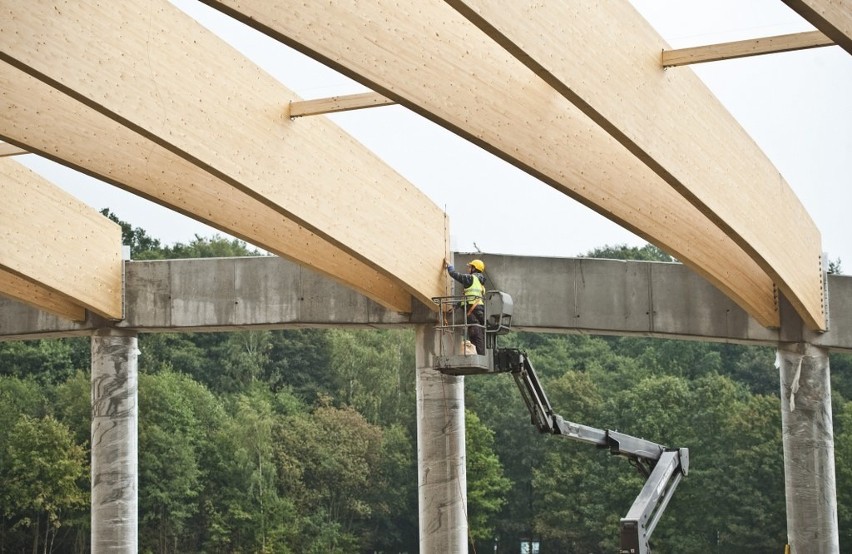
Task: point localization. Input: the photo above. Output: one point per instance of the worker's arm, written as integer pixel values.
(466, 279)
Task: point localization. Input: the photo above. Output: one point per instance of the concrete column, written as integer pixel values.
(441, 472)
(114, 442)
(808, 449)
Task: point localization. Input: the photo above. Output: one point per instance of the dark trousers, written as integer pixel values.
(475, 329)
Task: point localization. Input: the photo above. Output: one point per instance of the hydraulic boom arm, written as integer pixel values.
(662, 467)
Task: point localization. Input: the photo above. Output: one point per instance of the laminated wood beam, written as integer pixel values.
(336, 104)
(744, 48)
(427, 57)
(150, 67)
(51, 239)
(671, 122)
(832, 17)
(60, 128)
(39, 297)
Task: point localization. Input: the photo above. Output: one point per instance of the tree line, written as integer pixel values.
(305, 440)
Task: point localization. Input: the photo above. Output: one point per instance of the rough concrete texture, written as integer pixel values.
(566, 295)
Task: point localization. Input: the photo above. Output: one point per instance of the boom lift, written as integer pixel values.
(662, 467)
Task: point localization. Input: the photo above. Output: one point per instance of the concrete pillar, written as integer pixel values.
(441, 472)
(808, 449)
(114, 442)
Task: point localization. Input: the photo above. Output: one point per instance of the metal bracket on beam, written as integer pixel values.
(335, 104)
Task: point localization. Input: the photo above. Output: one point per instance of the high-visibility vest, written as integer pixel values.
(474, 293)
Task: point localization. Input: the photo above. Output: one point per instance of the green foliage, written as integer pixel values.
(47, 361)
(142, 247)
(301, 359)
(373, 372)
(72, 405)
(841, 375)
(486, 484)
(25, 407)
(329, 456)
(19, 397)
(843, 464)
(834, 267)
(174, 413)
(215, 247)
(648, 253)
(394, 496)
(40, 478)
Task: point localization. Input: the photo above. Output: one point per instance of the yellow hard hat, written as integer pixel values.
(478, 264)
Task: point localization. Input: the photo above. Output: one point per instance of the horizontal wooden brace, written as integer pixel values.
(744, 48)
(50, 238)
(335, 104)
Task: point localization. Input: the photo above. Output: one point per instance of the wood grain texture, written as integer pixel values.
(744, 48)
(50, 238)
(150, 67)
(832, 17)
(39, 297)
(604, 58)
(336, 104)
(429, 58)
(58, 127)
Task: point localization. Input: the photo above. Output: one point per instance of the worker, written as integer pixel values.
(474, 290)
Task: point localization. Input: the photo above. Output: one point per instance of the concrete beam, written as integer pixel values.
(564, 295)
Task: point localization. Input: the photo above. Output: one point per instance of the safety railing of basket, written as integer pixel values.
(452, 319)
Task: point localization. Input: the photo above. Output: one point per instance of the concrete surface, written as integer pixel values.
(566, 295)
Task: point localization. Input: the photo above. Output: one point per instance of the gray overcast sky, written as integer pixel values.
(797, 106)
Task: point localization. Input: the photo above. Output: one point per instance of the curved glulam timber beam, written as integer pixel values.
(39, 297)
(604, 58)
(56, 253)
(832, 17)
(150, 67)
(429, 58)
(58, 127)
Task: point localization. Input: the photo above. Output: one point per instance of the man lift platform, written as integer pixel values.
(662, 467)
